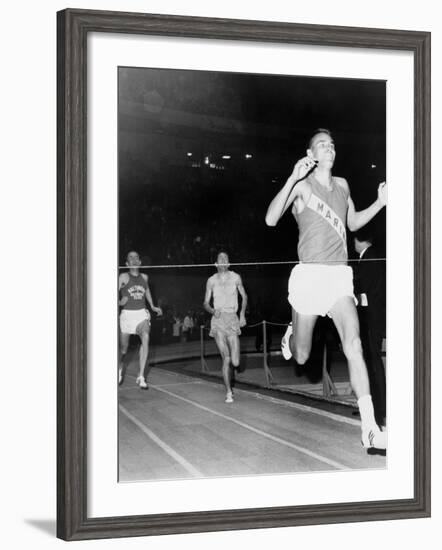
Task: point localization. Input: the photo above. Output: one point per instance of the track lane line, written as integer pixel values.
(274, 400)
(246, 426)
(164, 446)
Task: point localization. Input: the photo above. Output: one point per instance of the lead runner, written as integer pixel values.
(322, 283)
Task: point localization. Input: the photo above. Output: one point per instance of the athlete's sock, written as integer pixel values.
(366, 410)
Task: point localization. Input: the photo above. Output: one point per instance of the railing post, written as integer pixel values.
(267, 372)
(202, 350)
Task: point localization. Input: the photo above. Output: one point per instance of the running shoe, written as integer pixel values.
(229, 397)
(141, 381)
(374, 439)
(285, 343)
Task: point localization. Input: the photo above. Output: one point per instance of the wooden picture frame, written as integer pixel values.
(74, 26)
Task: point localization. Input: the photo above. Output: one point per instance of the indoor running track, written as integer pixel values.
(181, 428)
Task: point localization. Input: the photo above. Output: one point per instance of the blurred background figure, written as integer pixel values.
(177, 326)
(188, 326)
(369, 282)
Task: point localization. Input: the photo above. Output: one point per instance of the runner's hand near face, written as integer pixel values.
(302, 167)
(382, 193)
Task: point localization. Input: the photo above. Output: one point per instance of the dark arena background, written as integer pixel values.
(201, 155)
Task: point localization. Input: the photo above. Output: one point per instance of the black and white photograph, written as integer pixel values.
(226, 337)
(252, 256)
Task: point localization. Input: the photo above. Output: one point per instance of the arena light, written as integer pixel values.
(373, 165)
(227, 157)
(189, 154)
(248, 156)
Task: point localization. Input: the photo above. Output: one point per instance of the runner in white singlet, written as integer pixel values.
(225, 325)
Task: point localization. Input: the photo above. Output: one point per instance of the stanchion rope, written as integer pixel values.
(289, 262)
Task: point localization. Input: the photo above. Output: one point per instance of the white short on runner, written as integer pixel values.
(314, 288)
(131, 318)
(226, 324)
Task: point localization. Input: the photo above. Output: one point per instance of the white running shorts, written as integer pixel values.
(131, 318)
(315, 288)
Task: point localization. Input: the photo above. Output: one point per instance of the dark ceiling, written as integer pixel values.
(165, 115)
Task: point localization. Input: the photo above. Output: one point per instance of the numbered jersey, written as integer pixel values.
(135, 290)
(322, 231)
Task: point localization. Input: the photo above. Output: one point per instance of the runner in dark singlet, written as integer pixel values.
(135, 317)
(322, 284)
